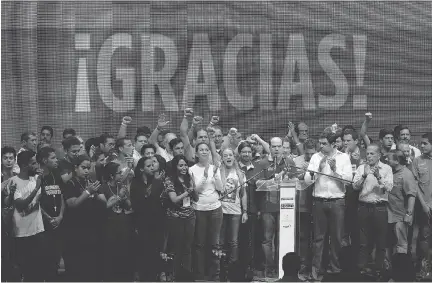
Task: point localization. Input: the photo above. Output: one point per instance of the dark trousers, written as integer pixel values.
(32, 257)
(83, 262)
(351, 235)
(250, 243)
(207, 231)
(372, 219)
(328, 216)
(229, 235)
(424, 234)
(180, 238)
(54, 252)
(270, 224)
(304, 232)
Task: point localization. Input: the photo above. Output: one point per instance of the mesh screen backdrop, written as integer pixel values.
(257, 65)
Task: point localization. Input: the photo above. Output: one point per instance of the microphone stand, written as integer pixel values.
(327, 175)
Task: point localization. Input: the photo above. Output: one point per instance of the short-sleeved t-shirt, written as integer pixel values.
(179, 210)
(51, 195)
(404, 185)
(209, 197)
(231, 202)
(122, 206)
(27, 222)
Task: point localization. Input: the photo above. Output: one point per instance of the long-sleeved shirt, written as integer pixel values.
(370, 190)
(327, 187)
(422, 170)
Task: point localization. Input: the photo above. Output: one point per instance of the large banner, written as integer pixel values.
(257, 65)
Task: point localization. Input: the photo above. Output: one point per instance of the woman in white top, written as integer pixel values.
(234, 204)
(208, 213)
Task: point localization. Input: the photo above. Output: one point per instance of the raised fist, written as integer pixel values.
(126, 120)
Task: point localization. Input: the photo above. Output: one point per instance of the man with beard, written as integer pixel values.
(387, 141)
(45, 136)
(72, 147)
(404, 135)
(53, 206)
(27, 222)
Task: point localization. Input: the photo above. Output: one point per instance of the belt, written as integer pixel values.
(326, 199)
(370, 204)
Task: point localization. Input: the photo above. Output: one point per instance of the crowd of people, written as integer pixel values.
(192, 205)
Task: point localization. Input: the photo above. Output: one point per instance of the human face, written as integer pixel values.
(101, 160)
(32, 143)
(259, 148)
(387, 141)
(182, 167)
(203, 152)
(108, 145)
(303, 132)
(405, 149)
(218, 138)
(202, 136)
(8, 160)
(148, 168)
(308, 154)
(33, 166)
(426, 147)
(393, 162)
(349, 143)
(405, 135)
(45, 136)
(228, 157)
(168, 138)
(83, 169)
(118, 174)
(246, 154)
(51, 162)
(178, 149)
(276, 147)
(156, 164)
(372, 155)
(339, 144)
(141, 140)
(286, 148)
(127, 148)
(160, 139)
(325, 146)
(73, 151)
(149, 152)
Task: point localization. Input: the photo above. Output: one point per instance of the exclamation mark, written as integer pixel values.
(82, 101)
(359, 44)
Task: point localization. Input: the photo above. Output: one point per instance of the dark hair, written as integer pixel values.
(174, 142)
(144, 147)
(353, 134)
(8, 149)
(196, 130)
(196, 147)
(243, 145)
(110, 169)
(385, 132)
(49, 128)
(162, 162)
(24, 158)
(398, 155)
(26, 135)
(396, 131)
(98, 152)
(174, 173)
(104, 137)
(140, 134)
(91, 142)
(144, 130)
(44, 153)
(291, 264)
(140, 165)
(120, 142)
(427, 136)
(348, 127)
(80, 159)
(310, 144)
(69, 142)
(330, 136)
(69, 131)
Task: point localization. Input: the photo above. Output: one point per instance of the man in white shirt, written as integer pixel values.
(373, 180)
(28, 225)
(328, 200)
(404, 135)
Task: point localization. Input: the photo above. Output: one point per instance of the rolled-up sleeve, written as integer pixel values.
(387, 179)
(313, 165)
(410, 185)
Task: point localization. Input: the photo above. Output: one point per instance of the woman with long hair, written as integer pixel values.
(234, 204)
(179, 192)
(118, 262)
(83, 224)
(149, 213)
(208, 213)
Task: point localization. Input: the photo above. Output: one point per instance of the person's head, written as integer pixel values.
(396, 132)
(99, 158)
(350, 139)
(404, 134)
(168, 137)
(339, 144)
(202, 152)
(201, 136)
(89, 143)
(373, 154)
(180, 165)
(72, 147)
(176, 146)
(8, 155)
(310, 148)
(426, 144)
(47, 158)
(276, 147)
(291, 264)
(46, 134)
(145, 168)
(106, 143)
(148, 150)
(82, 166)
(29, 141)
(27, 162)
(140, 140)
(144, 130)
(218, 136)
(245, 152)
(396, 158)
(405, 148)
(258, 148)
(302, 131)
(386, 137)
(68, 132)
(161, 138)
(403, 269)
(159, 163)
(286, 147)
(228, 157)
(113, 172)
(124, 146)
(327, 142)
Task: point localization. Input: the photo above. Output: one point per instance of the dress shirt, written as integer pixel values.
(370, 190)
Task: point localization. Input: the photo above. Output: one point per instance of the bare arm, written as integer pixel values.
(189, 154)
(123, 127)
(23, 203)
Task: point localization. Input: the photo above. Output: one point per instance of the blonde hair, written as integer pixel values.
(224, 169)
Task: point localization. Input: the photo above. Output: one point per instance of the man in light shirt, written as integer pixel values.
(373, 180)
(404, 135)
(328, 200)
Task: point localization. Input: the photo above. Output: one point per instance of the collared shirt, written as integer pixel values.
(136, 156)
(357, 157)
(249, 171)
(370, 190)
(327, 187)
(305, 192)
(414, 150)
(422, 170)
(164, 153)
(404, 185)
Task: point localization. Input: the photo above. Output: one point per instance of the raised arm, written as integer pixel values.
(293, 134)
(364, 128)
(266, 146)
(189, 153)
(162, 123)
(123, 127)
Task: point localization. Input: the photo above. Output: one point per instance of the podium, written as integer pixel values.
(287, 217)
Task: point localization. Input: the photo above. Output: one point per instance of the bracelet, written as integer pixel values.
(244, 211)
(87, 192)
